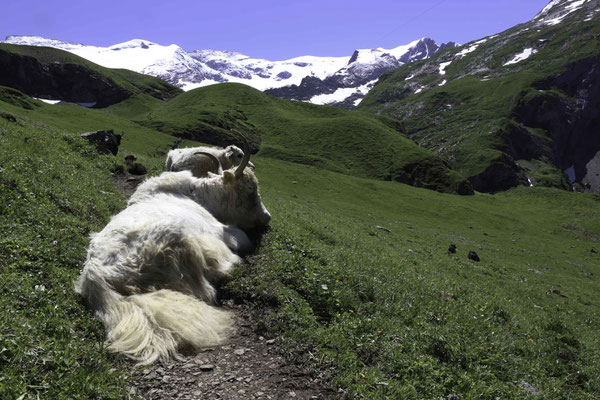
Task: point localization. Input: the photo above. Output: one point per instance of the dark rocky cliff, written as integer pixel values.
(567, 106)
(68, 82)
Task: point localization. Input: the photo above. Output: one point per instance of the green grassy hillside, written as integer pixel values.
(327, 137)
(384, 312)
(491, 119)
(394, 315)
(54, 191)
(144, 142)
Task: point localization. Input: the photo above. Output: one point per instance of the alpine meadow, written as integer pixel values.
(438, 239)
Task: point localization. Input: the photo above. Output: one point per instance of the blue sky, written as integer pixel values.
(271, 29)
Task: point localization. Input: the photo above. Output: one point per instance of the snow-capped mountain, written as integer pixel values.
(321, 80)
(348, 85)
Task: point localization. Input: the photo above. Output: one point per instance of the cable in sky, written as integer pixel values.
(412, 19)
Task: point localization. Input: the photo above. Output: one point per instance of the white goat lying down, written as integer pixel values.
(195, 159)
(149, 273)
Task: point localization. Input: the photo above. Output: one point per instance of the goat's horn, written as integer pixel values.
(215, 160)
(240, 169)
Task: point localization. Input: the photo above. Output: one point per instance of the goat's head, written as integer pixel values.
(234, 155)
(245, 208)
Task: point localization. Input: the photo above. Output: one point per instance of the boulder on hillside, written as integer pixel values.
(105, 141)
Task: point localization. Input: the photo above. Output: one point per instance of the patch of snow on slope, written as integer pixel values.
(443, 83)
(342, 94)
(548, 7)
(187, 86)
(576, 4)
(48, 101)
(573, 5)
(468, 50)
(525, 54)
(339, 95)
(443, 67)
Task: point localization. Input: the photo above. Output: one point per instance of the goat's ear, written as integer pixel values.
(228, 177)
(228, 153)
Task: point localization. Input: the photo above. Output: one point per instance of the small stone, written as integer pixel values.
(292, 394)
(452, 248)
(473, 256)
(239, 352)
(381, 228)
(270, 341)
(151, 376)
(206, 367)
(526, 386)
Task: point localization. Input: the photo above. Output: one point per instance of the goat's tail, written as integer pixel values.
(153, 326)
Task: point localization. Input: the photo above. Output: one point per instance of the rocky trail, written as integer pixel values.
(249, 366)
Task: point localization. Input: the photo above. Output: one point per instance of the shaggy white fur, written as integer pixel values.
(150, 272)
(153, 299)
(231, 200)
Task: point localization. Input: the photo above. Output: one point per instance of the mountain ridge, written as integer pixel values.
(321, 80)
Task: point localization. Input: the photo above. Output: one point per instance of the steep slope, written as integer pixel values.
(58, 75)
(519, 107)
(321, 80)
(339, 140)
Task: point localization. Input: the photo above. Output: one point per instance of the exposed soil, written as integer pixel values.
(127, 183)
(249, 366)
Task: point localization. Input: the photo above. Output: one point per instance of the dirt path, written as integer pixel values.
(247, 367)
